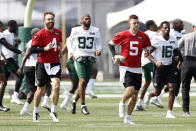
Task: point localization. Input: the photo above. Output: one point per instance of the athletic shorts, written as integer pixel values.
(148, 68)
(45, 71)
(11, 67)
(167, 74)
(83, 67)
(133, 79)
(72, 71)
(29, 72)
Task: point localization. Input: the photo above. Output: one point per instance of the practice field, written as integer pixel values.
(103, 117)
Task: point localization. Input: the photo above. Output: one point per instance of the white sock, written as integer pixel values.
(26, 105)
(169, 111)
(122, 103)
(46, 98)
(139, 103)
(83, 106)
(53, 108)
(15, 94)
(35, 110)
(90, 85)
(176, 98)
(68, 96)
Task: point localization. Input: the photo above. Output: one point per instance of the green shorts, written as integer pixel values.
(84, 68)
(148, 68)
(72, 71)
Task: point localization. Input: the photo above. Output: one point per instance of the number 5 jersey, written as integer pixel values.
(84, 42)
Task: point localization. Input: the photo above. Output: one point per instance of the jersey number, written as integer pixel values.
(54, 45)
(85, 42)
(133, 50)
(166, 51)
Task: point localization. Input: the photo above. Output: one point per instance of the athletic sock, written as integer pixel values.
(68, 96)
(35, 110)
(53, 108)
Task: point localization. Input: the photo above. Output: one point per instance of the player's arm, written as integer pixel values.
(116, 58)
(36, 49)
(26, 56)
(98, 45)
(63, 50)
(151, 58)
(9, 46)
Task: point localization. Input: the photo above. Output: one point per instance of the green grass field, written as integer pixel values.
(103, 117)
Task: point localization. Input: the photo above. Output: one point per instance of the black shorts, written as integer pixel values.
(168, 74)
(29, 72)
(133, 79)
(45, 73)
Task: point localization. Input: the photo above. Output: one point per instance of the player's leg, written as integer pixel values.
(3, 83)
(170, 100)
(30, 84)
(186, 76)
(147, 69)
(12, 68)
(176, 89)
(46, 97)
(74, 80)
(91, 82)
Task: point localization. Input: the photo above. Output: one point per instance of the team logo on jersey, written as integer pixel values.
(139, 37)
(172, 42)
(56, 33)
(91, 33)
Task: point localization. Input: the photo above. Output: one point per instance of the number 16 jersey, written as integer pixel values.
(84, 42)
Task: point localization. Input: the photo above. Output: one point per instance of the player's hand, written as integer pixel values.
(71, 56)
(159, 65)
(146, 53)
(117, 59)
(179, 66)
(19, 71)
(22, 53)
(177, 58)
(48, 47)
(18, 42)
(97, 53)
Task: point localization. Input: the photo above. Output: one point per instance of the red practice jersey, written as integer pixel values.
(43, 38)
(131, 47)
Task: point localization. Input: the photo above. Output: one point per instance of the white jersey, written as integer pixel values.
(164, 48)
(31, 61)
(150, 35)
(2, 35)
(177, 34)
(10, 39)
(84, 42)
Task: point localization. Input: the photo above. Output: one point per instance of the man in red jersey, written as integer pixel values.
(48, 67)
(132, 42)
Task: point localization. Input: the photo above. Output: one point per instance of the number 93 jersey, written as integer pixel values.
(84, 42)
(164, 48)
(42, 39)
(131, 47)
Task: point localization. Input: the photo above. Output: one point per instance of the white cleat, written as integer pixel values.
(127, 120)
(121, 110)
(46, 105)
(186, 114)
(146, 100)
(91, 94)
(156, 101)
(24, 112)
(170, 115)
(53, 116)
(15, 100)
(176, 104)
(36, 117)
(63, 106)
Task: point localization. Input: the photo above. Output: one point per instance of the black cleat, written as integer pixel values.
(73, 107)
(5, 109)
(84, 110)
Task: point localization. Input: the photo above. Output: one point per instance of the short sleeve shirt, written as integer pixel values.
(42, 39)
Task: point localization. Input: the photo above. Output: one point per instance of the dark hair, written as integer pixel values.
(11, 22)
(176, 21)
(1, 23)
(149, 23)
(164, 22)
(133, 17)
(49, 12)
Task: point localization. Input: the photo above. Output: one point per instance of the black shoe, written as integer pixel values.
(84, 110)
(5, 109)
(73, 107)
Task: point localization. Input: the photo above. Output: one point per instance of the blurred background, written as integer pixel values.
(110, 16)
